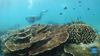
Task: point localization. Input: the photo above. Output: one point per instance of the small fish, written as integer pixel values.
(33, 19)
(79, 1)
(88, 9)
(65, 7)
(60, 13)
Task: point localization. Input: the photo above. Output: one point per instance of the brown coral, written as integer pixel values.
(35, 39)
(80, 33)
(59, 35)
(84, 49)
(38, 39)
(23, 38)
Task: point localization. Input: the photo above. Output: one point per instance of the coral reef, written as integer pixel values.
(59, 35)
(72, 39)
(80, 33)
(35, 39)
(92, 49)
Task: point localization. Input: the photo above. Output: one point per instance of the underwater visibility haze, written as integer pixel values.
(14, 12)
(50, 27)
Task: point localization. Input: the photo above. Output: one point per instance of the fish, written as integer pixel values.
(32, 19)
(60, 13)
(79, 1)
(65, 7)
(88, 9)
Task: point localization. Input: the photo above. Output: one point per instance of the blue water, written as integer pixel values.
(14, 12)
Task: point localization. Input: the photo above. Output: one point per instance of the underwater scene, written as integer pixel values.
(49, 27)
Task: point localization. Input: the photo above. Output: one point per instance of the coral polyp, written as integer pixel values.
(80, 33)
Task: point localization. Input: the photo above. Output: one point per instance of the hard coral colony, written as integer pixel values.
(50, 40)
